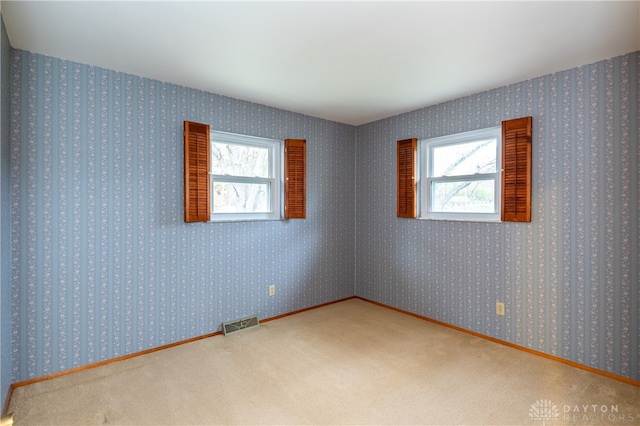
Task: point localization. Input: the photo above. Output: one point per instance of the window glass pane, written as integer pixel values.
(464, 158)
(231, 197)
(239, 160)
(468, 196)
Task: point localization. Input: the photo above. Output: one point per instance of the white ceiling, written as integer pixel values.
(352, 62)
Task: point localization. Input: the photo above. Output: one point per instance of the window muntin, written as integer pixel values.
(245, 177)
(461, 176)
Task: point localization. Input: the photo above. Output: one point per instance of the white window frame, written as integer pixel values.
(425, 149)
(274, 181)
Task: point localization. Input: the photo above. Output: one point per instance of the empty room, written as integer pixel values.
(340, 212)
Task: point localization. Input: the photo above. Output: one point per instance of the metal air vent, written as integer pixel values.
(239, 325)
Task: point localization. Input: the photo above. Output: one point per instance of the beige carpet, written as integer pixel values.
(347, 363)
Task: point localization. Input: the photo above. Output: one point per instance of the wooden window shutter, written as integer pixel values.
(516, 175)
(295, 181)
(407, 190)
(197, 198)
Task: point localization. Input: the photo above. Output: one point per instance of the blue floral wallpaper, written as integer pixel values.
(103, 264)
(570, 278)
(5, 216)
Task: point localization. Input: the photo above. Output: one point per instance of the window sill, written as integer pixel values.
(462, 219)
(247, 217)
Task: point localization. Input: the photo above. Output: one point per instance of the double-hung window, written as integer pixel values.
(229, 177)
(483, 175)
(245, 177)
(461, 176)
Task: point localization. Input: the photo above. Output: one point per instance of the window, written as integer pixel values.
(245, 177)
(229, 177)
(461, 176)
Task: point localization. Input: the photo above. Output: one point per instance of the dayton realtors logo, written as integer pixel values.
(598, 414)
(544, 410)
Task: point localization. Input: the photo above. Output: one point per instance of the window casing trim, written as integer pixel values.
(426, 180)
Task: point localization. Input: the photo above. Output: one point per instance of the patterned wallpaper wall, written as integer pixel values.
(570, 278)
(5, 216)
(103, 264)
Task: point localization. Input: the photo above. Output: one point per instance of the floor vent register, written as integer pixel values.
(239, 325)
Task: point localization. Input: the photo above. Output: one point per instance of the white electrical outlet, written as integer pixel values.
(272, 290)
(499, 308)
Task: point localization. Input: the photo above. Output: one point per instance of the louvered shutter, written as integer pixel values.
(295, 181)
(197, 199)
(406, 179)
(516, 175)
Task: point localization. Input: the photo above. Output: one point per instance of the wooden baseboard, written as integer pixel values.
(140, 353)
(193, 339)
(511, 345)
(307, 309)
